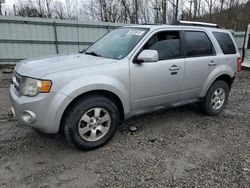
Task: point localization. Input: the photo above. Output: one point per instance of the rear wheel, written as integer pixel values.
(216, 98)
(91, 122)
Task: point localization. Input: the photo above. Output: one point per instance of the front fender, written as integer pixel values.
(216, 73)
(89, 83)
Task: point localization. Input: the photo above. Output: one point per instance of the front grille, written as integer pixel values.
(17, 81)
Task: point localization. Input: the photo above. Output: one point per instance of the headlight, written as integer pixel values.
(31, 87)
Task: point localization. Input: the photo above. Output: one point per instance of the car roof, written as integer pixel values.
(165, 26)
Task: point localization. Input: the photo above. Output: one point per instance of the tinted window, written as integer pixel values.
(225, 42)
(198, 44)
(248, 46)
(166, 43)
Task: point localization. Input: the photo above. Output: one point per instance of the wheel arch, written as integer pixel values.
(105, 93)
(228, 77)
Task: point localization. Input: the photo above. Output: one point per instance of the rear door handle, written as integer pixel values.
(174, 68)
(211, 63)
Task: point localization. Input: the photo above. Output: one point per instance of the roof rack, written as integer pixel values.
(150, 24)
(190, 23)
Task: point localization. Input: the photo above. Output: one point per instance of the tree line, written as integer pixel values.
(233, 14)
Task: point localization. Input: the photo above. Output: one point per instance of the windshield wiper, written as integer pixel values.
(93, 54)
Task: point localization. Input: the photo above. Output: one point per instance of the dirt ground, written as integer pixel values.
(178, 147)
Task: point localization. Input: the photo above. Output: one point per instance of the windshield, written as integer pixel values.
(117, 44)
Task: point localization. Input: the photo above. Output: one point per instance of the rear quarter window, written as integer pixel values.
(225, 42)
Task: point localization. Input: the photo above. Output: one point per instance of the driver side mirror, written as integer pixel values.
(147, 56)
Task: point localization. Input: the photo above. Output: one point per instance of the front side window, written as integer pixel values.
(167, 44)
(225, 42)
(198, 44)
(118, 43)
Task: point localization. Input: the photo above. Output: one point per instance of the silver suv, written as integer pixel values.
(130, 71)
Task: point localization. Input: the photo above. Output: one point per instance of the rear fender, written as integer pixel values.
(216, 73)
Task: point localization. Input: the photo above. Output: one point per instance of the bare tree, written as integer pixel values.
(210, 8)
(197, 6)
(1, 8)
(175, 9)
(145, 12)
(28, 9)
(48, 7)
(160, 9)
(131, 10)
(71, 7)
(222, 2)
(228, 13)
(59, 10)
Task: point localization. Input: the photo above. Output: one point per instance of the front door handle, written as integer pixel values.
(174, 68)
(211, 63)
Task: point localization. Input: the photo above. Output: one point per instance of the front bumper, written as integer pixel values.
(46, 110)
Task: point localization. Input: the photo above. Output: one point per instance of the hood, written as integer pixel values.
(39, 67)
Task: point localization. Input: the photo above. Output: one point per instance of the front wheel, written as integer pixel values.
(216, 98)
(91, 122)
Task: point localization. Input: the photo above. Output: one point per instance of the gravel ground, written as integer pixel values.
(178, 147)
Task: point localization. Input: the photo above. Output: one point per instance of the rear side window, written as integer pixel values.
(225, 42)
(198, 44)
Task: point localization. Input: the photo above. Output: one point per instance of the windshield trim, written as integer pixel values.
(126, 27)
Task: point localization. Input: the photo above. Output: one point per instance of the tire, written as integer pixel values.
(216, 98)
(91, 122)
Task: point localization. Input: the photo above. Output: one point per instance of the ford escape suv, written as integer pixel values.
(130, 71)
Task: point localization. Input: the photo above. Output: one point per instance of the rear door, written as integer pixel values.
(228, 47)
(200, 59)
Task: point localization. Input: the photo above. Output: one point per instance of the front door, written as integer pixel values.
(158, 83)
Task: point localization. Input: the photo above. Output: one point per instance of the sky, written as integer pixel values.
(9, 3)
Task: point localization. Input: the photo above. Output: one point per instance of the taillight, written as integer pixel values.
(239, 64)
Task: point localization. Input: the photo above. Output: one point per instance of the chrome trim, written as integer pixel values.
(17, 81)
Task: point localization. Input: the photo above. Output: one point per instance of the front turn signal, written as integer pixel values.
(45, 86)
